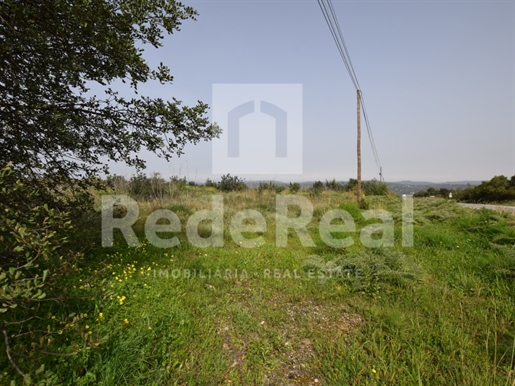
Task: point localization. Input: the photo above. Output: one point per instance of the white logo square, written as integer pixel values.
(261, 128)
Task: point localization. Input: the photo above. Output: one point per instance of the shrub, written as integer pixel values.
(317, 188)
(210, 183)
(370, 270)
(351, 185)
(230, 183)
(294, 187)
(117, 183)
(374, 188)
(278, 188)
(177, 184)
(140, 187)
(262, 187)
(270, 186)
(333, 185)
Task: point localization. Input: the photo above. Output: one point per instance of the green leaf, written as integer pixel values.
(27, 379)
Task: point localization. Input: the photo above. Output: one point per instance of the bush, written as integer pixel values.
(374, 188)
(176, 184)
(370, 270)
(351, 185)
(294, 187)
(155, 187)
(140, 187)
(230, 183)
(270, 186)
(316, 188)
(333, 185)
(211, 184)
(118, 183)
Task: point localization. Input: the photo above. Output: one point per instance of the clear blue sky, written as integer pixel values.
(437, 76)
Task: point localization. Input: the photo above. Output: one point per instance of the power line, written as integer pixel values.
(332, 23)
(334, 26)
(343, 41)
(370, 135)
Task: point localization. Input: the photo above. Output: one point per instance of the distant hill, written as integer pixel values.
(398, 187)
(412, 187)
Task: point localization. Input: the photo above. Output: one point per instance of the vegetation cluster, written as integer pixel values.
(498, 189)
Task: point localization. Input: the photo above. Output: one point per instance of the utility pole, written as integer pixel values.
(359, 147)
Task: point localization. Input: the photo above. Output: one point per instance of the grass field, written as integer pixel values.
(441, 312)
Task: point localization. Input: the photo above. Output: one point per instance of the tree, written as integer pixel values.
(62, 114)
(53, 52)
(499, 188)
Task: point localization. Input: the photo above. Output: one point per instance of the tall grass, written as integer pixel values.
(438, 313)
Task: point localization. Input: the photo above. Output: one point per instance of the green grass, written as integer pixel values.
(439, 313)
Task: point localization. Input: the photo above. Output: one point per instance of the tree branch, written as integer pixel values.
(8, 352)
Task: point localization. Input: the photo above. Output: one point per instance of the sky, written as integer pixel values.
(438, 78)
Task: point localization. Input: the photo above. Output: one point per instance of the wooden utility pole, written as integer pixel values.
(359, 147)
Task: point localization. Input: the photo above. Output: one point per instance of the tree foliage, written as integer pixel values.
(70, 100)
(62, 62)
(433, 192)
(498, 189)
(34, 257)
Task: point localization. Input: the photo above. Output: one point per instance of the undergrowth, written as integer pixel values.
(440, 312)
